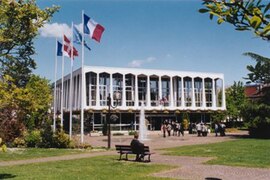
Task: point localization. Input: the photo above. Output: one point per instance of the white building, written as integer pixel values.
(166, 94)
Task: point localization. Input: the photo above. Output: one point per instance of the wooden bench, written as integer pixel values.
(126, 149)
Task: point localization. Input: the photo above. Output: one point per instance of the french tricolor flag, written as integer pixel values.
(93, 29)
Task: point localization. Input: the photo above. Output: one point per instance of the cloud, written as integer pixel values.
(139, 62)
(55, 30)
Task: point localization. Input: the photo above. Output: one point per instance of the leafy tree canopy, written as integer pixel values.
(19, 24)
(252, 15)
(23, 107)
(260, 73)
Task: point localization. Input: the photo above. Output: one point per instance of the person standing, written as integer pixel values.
(216, 129)
(199, 128)
(164, 129)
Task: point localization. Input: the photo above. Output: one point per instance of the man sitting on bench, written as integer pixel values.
(137, 148)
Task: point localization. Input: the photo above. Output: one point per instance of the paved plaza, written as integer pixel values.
(186, 167)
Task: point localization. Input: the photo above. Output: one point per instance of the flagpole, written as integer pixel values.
(82, 82)
(62, 87)
(54, 93)
(71, 85)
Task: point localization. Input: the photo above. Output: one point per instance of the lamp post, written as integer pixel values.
(117, 97)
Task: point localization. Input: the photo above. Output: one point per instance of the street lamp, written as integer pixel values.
(117, 97)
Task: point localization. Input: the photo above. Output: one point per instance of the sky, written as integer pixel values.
(149, 34)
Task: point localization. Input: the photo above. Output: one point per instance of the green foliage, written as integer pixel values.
(33, 138)
(118, 134)
(61, 140)
(252, 15)
(19, 22)
(260, 73)
(40, 95)
(185, 123)
(257, 117)
(131, 133)
(235, 99)
(3, 147)
(19, 142)
(22, 107)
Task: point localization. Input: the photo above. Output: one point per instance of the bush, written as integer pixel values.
(131, 133)
(19, 142)
(185, 124)
(61, 140)
(118, 134)
(33, 139)
(47, 137)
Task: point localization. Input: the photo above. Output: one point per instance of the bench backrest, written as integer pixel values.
(128, 148)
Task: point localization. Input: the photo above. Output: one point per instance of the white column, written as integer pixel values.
(182, 93)
(175, 92)
(193, 93)
(111, 87)
(124, 91)
(136, 92)
(148, 99)
(97, 92)
(159, 88)
(223, 95)
(214, 104)
(203, 94)
(90, 93)
(171, 92)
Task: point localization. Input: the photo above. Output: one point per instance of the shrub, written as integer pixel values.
(61, 140)
(185, 124)
(19, 142)
(33, 139)
(118, 134)
(47, 137)
(131, 133)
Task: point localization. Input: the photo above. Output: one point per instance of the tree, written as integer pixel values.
(235, 99)
(19, 22)
(40, 95)
(251, 15)
(260, 73)
(22, 108)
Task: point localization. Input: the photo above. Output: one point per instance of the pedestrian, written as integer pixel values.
(163, 129)
(169, 129)
(216, 129)
(199, 128)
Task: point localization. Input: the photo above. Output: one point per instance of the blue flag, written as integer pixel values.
(77, 37)
(59, 49)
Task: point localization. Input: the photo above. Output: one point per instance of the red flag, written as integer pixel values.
(67, 48)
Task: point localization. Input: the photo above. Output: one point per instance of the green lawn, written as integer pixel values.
(102, 167)
(29, 153)
(244, 152)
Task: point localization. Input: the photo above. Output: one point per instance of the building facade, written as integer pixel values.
(165, 94)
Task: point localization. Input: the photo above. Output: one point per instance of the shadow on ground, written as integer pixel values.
(7, 176)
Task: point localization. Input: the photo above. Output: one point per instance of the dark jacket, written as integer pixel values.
(137, 146)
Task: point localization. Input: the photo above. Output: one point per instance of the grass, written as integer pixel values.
(101, 167)
(244, 152)
(30, 153)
